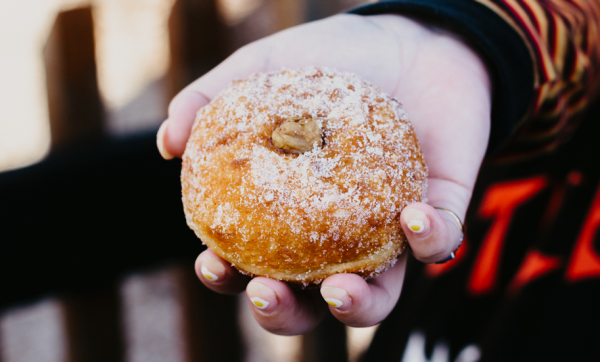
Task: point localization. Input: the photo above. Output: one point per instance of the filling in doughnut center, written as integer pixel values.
(298, 135)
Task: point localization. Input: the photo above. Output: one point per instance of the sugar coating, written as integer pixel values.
(301, 217)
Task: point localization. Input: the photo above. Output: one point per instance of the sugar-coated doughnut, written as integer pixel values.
(300, 174)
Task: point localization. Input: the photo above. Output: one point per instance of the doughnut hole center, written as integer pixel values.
(298, 135)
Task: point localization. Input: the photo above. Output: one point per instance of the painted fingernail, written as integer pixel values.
(416, 220)
(160, 141)
(261, 296)
(212, 269)
(336, 297)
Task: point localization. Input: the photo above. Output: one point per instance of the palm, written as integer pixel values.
(445, 90)
(445, 95)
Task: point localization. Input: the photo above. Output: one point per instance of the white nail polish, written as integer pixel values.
(208, 275)
(336, 303)
(416, 226)
(259, 303)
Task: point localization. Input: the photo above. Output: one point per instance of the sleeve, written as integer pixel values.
(544, 56)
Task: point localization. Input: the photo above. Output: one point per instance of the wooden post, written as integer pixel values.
(211, 331)
(319, 9)
(75, 108)
(93, 325)
(326, 343)
(198, 41)
(270, 17)
(168, 315)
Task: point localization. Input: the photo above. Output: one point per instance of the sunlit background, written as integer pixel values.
(132, 54)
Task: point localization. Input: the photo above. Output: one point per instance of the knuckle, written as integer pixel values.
(244, 52)
(359, 320)
(431, 251)
(438, 248)
(280, 325)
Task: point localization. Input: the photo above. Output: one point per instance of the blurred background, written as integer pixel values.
(136, 52)
(95, 257)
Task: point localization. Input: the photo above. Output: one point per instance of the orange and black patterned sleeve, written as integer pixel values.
(544, 57)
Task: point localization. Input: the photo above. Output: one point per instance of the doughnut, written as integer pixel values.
(297, 175)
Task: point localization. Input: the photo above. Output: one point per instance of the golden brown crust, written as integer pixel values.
(301, 218)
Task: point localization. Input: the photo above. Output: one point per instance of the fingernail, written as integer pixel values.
(160, 141)
(336, 297)
(261, 296)
(212, 269)
(416, 220)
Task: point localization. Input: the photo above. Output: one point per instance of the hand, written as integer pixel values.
(445, 90)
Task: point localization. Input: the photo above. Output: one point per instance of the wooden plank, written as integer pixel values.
(263, 346)
(270, 17)
(319, 9)
(212, 329)
(358, 341)
(169, 316)
(153, 318)
(326, 343)
(198, 41)
(288, 13)
(34, 332)
(92, 320)
(75, 108)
